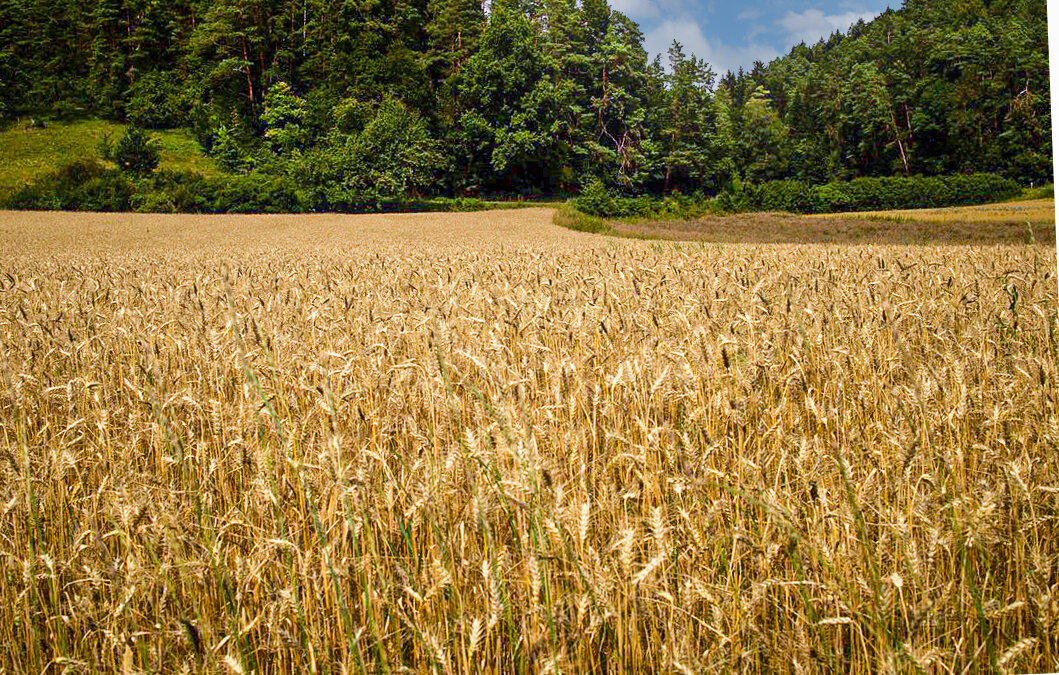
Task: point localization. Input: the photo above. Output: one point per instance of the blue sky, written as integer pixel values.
(733, 34)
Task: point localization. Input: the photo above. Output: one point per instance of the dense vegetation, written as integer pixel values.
(349, 104)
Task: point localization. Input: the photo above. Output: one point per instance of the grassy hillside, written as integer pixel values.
(26, 153)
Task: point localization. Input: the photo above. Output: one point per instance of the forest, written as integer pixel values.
(342, 102)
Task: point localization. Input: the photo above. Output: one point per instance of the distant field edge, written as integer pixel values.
(1024, 222)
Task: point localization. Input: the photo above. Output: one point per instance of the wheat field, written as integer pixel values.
(1031, 211)
(480, 443)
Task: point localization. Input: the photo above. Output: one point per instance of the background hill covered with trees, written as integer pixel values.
(368, 99)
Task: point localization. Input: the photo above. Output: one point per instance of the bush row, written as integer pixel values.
(875, 194)
(596, 200)
(861, 194)
(89, 185)
(85, 185)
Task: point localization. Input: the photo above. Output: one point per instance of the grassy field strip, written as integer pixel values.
(1016, 223)
(482, 443)
(27, 153)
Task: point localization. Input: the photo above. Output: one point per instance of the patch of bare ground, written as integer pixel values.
(889, 228)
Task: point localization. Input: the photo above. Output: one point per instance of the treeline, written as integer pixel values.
(793, 196)
(353, 102)
(937, 87)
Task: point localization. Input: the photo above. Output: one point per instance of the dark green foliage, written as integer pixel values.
(284, 119)
(183, 192)
(360, 104)
(877, 194)
(390, 159)
(830, 198)
(158, 101)
(869, 194)
(596, 200)
(397, 153)
(251, 193)
(507, 134)
(231, 149)
(85, 185)
(862, 194)
(935, 88)
(135, 153)
(782, 195)
(695, 136)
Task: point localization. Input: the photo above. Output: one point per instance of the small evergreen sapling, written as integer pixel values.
(135, 152)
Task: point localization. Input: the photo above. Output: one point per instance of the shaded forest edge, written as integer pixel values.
(437, 104)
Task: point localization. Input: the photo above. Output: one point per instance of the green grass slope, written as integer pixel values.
(26, 153)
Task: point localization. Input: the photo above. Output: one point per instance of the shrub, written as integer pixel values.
(872, 194)
(252, 193)
(675, 206)
(229, 149)
(85, 185)
(782, 195)
(397, 152)
(186, 192)
(284, 119)
(595, 199)
(982, 187)
(636, 207)
(828, 198)
(388, 162)
(109, 192)
(735, 198)
(135, 152)
(168, 191)
(66, 111)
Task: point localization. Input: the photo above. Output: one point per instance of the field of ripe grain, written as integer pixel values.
(1033, 211)
(465, 443)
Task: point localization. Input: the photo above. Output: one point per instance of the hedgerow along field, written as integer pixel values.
(483, 443)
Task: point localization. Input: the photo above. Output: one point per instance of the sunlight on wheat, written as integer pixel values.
(522, 450)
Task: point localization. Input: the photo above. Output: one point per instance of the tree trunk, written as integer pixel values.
(249, 76)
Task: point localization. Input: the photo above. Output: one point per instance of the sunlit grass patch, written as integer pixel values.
(26, 152)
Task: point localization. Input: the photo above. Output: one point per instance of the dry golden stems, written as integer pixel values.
(531, 451)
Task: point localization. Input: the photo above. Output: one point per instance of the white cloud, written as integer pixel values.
(636, 9)
(749, 14)
(812, 24)
(720, 56)
(641, 10)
